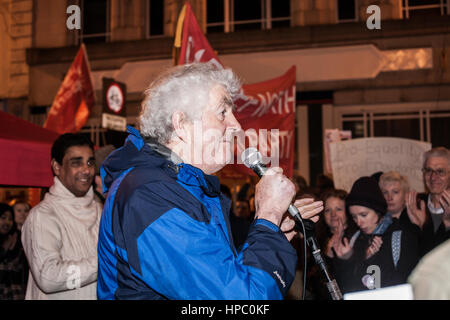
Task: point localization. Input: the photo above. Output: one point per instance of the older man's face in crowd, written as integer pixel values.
(436, 174)
(218, 123)
(77, 170)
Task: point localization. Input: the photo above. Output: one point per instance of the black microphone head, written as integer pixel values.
(251, 157)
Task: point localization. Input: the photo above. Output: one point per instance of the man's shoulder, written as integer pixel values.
(152, 187)
(144, 178)
(43, 208)
(43, 214)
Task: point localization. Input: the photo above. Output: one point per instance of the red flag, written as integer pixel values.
(261, 108)
(194, 45)
(75, 98)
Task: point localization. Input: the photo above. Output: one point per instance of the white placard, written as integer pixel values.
(355, 158)
(329, 136)
(400, 292)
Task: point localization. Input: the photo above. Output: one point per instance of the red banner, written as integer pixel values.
(265, 110)
(75, 98)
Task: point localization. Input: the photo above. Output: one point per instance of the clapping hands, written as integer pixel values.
(416, 215)
(445, 204)
(340, 244)
(374, 247)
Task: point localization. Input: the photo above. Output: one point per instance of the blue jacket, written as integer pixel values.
(165, 234)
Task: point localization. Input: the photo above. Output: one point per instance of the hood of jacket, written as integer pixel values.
(137, 153)
(134, 153)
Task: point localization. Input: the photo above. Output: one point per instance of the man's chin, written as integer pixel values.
(436, 190)
(81, 192)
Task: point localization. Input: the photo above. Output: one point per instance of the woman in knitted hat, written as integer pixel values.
(382, 253)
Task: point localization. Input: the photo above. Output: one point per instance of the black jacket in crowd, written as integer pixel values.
(429, 238)
(349, 273)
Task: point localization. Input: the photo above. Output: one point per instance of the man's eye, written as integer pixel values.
(222, 114)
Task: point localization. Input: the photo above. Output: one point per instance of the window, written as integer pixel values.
(247, 15)
(234, 15)
(424, 121)
(424, 8)
(400, 126)
(155, 18)
(439, 128)
(95, 21)
(215, 12)
(280, 14)
(347, 10)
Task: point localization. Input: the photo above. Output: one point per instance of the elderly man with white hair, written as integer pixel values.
(165, 230)
(433, 212)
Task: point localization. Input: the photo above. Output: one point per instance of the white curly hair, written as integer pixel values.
(182, 88)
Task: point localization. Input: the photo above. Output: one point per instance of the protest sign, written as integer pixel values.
(355, 158)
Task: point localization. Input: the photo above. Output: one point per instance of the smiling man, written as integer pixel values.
(435, 204)
(165, 229)
(60, 235)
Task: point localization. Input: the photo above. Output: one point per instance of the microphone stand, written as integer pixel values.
(252, 159)
(331, 283)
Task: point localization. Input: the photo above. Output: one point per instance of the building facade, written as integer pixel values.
(387, 77)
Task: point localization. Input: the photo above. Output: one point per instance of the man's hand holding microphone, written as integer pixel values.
(273, 195)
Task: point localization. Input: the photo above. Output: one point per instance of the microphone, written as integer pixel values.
(252, 159)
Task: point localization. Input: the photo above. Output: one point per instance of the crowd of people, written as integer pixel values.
(148, 221)
(382, 222)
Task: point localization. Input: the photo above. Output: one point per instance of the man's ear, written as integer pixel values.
(56, 167)
(179, 123)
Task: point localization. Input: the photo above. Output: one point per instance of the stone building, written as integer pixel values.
(388, 81)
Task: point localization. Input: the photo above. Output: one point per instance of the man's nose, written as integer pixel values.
(233, 124)
(85, 168)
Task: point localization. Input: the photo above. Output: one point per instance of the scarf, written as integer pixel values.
(383, 225)
(84, 209)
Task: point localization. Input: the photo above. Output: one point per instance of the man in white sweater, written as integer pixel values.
(60, 235)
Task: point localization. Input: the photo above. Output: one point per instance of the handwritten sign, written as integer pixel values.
(329, 136)
(355, 158)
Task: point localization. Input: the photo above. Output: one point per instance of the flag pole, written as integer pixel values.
(179, 31)
(83, 47)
